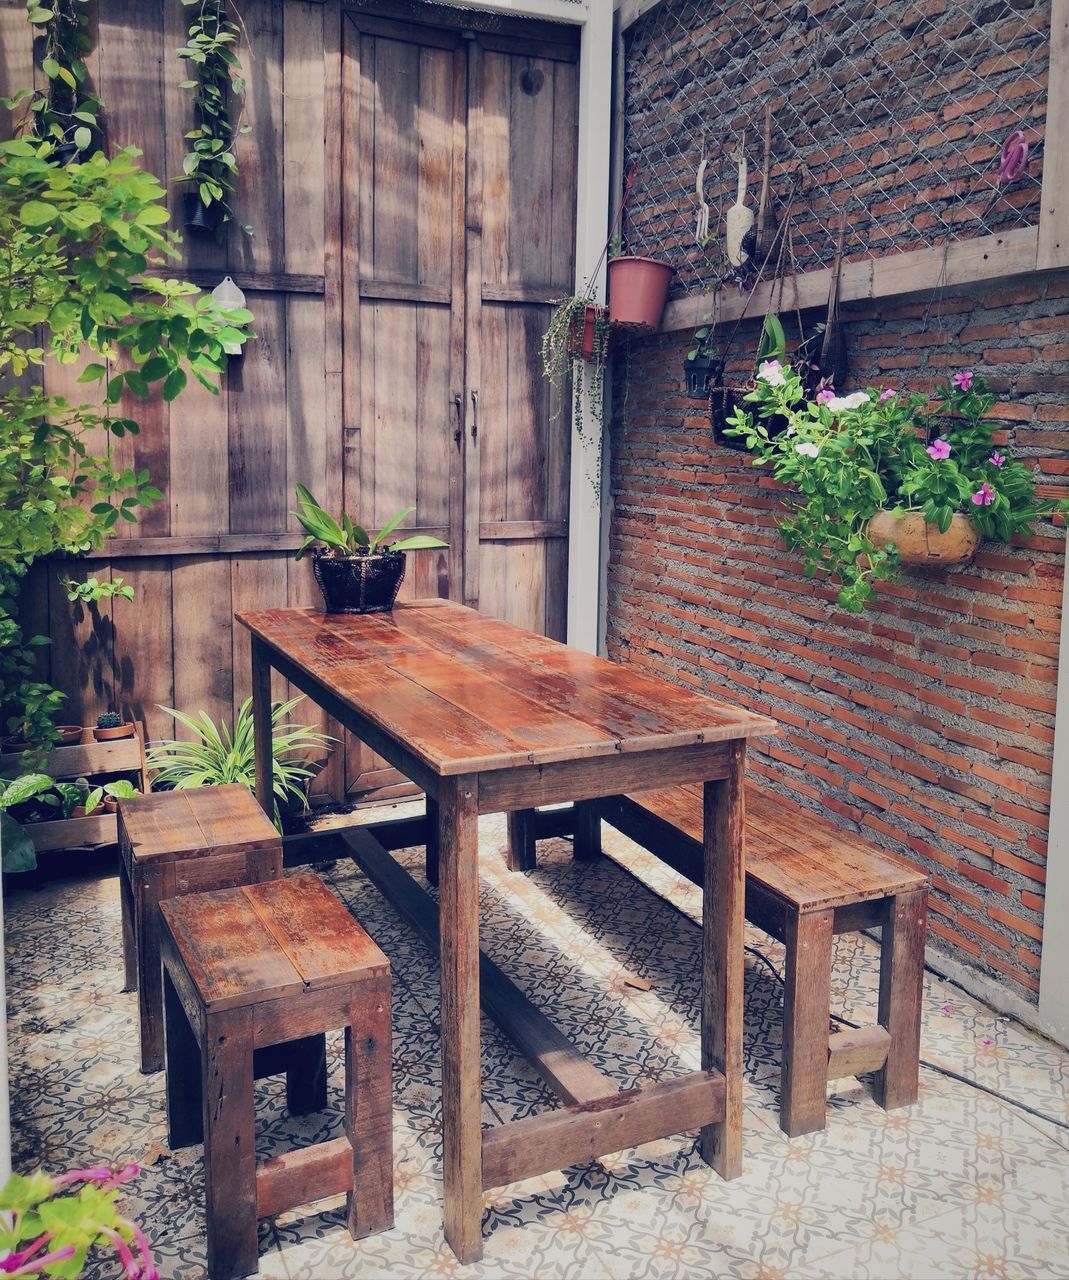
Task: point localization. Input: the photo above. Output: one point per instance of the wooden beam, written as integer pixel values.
(575, 1135)
(1054, 198)
(553, 1055)
(962, 262)
(319, 1171)
(521, 530)
(632, 10)
(256, 281)
(227, 544)
(74, 833)
(121, 755)
(854, 1053)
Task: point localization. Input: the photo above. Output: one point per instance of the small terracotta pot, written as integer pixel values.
(109, 735)
(78, 811)
(582, 338)
(638, 290)
(919, 542)
(110, 804)
(69, 734)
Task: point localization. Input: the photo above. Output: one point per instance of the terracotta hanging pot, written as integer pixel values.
(919, 542)
(582, 337)
(638, 290)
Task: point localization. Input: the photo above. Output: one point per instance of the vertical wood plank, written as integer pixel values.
(458, 325)
(257, 581)
(901, 990)
(476, 212)
(806, 1015)
(261, 712)
(203, 655)
(521, 854)
(257, 436)
(1053, 248)
(259, 198)
(722, 958)
(142, 644)
(81, 646)
(16, 62)
(458, 835)
(302, 137)
(369, 1108)
(229, 1144)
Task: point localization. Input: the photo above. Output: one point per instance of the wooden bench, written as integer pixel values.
(246, 970)
(806, 881)
(177, 842)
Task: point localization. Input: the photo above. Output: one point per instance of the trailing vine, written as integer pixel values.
(209, 166)
(66, 113)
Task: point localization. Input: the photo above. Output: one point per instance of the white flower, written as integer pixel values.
(854, 401)
(807, 449)
(772, 373)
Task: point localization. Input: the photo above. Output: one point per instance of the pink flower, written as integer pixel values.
(938, 450)
(962, 379)
(996, 459)
(825, 395)
(984, 496)
(888, 393)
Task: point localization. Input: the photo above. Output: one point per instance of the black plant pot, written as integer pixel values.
(64, 152)
(359, 584)
(204, 219)
(698, 374)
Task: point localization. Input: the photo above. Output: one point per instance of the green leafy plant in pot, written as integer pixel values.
(356, 572)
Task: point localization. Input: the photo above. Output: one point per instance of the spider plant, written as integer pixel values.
(215, 756)
(348, 539)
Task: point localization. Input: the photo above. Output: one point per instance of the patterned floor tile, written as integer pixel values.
(960, 1185)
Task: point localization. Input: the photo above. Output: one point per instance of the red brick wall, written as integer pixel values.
(927, 723)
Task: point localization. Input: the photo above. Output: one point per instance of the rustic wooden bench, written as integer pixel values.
(173, 843)
(806, 881)
(246, 971)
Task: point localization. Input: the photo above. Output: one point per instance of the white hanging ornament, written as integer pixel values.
(228, 297)
(740, 218)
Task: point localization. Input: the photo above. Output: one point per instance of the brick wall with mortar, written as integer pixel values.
(896, 109)
(926, 724)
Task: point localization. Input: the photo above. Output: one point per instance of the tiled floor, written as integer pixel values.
(961, 1185)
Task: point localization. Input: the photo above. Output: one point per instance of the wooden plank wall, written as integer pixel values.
(226, 463)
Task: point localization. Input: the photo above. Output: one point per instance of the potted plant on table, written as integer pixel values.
(356, 572)
(111, 726)
(884, 478)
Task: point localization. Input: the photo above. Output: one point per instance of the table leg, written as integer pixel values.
(262, 737)
(587, 845)
(722, 958)
(458, 913)
(431, 857)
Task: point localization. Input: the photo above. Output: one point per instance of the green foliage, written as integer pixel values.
(47, 1227)
(348, 539)
(216, 756)
(773, 344)
(93, 589)
(561, 359)
(209, 165)
(704, 347)
(65, 112)
(848, 457)
(80, 246)
(18, 851)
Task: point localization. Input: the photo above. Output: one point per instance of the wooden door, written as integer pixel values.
(459, 152)
(521, 191)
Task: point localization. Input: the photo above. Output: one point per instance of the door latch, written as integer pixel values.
(474, 416)
(458, 405)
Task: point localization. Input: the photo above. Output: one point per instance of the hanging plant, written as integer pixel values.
(65, 113)
(209, 166)
(576, 345)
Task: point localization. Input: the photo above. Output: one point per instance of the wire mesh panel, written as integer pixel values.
(895, 111)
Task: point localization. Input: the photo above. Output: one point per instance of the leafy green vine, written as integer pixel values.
(66, 113)
(210, 166)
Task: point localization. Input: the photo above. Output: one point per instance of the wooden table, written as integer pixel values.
(486, 717)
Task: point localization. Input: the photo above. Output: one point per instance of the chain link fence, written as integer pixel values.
(896, 112)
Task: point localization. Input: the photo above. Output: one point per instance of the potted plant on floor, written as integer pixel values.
(884, 478)
(356, 572)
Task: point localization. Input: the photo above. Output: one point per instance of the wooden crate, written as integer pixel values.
(86, 759)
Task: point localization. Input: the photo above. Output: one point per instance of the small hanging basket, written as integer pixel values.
(919, 542)
(583, 334)
(698, 376)
(359, 584)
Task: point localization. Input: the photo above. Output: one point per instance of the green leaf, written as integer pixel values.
(19, 853)
(390, 526)
(50, 67)
(82, 138)
(418, 542)
(174, 384)
(35, 213)
(92, 373)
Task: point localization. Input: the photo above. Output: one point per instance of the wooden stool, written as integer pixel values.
(176, 842)
(244, 970)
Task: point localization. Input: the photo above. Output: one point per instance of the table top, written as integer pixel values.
(466, 693)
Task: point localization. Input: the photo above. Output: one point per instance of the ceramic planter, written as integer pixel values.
(110, 735)
(69, 734)
(638, 290)
(359, 584)
(921, 543)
